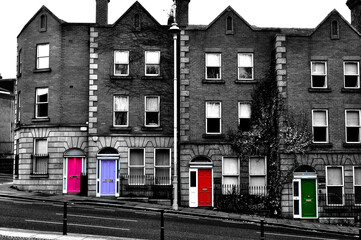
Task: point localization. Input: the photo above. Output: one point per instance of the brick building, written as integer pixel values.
(7, 99)
(99, 104)
(94, 99)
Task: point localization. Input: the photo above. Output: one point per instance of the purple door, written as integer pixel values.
(107, 178)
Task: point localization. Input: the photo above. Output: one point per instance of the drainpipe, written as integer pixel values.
(174, 29)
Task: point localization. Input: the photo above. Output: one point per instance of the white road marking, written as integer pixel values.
(79, 225)
(182, 216)
(147, 213)
(94, 217)
(297, 236)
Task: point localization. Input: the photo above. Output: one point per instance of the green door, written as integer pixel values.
(308, 198)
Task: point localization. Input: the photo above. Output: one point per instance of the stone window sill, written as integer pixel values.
(351, 145)
(47, 119)
(321, 145)
(320, 90)
(114, 77)
(42, 70)
(152, 78)
(245, 81)
(213, 136)
(350, 90)
(121, 129)
(216, 81)
(39, 176)
(157, 129)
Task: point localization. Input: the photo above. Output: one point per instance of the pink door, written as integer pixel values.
(204, 187)
(74, 172)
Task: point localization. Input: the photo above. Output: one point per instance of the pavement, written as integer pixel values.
(7, 190)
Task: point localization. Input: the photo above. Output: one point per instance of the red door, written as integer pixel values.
(204, 187)
(74, 172)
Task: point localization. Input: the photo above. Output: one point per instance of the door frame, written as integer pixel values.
(193, 193)
(106, 157)
(65, 170)
(298, 179)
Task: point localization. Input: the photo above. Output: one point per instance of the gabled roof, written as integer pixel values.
(334, 11)
(229, 8)
(43, 8)
(136, 4)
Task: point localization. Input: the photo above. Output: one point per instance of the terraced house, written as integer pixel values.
(95, 108)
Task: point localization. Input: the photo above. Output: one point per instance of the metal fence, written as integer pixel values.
(145, 186)
(346, 205)
(241, 189)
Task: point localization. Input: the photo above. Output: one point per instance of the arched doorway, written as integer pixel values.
(201, 182)
(305, 197)
(73, 166)
(107, 172)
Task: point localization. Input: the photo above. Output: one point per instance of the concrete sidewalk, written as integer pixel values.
(6, 190)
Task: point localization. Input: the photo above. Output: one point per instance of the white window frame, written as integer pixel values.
(313, 126)
(146, 63)
(38, 57)
(146, 111)
(355, 185)
(162, 166)
(136, 166)
(297, 198)
(220, 66)
(225, 174)
(239, 66)
(343, 185)
(220, 117)
(250, 175)
(121, 63)
(240, 112)
(358, 74)
(37, 103)
(359, 126)
(325, 74)
(43, 156)
(124, 110)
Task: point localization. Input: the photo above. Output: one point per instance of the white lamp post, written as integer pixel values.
(174, 29)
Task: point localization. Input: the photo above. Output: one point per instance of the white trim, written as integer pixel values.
(98, 177)
(65, 170)
(299, 178)
(136, 166)
(220, 66)
(354, 183)
(145, 111)
(231, 175)
(193, 191)
(119, 74)
(145, 63)
(359, 126)
(258, 175)
(325, 75)
(114, 111)
(40, 103)
(163, 166)
(343, 184)
(296, 198)
(358, 74)
(220, 117)
(238, 66)
(313, 135)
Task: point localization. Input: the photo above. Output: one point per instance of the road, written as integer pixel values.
(118, 222)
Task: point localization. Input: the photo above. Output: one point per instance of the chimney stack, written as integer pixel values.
(181, 16)
(102, 12)
(355, 7)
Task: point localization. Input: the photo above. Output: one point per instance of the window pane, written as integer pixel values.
(152, 57)
(229, 24)
(151, 104)
(358, 195)
(193, 179)
(245, 124)
(43, 50)
(296, 207)
(213, 60)
(121, 118)
(319, 118)
(213, 110)
(136, 157)
(351, 81)
(245, 73)
(257, 166)
(121, 69)
(213, 72)
(357, 173)
(43, 62)
(244, 110)
(351, 69)
(120, 103)
(334, 195)
(230, 166)
(42, 110)
(213, 125)
(162, 157)
(42, 95)
(162, 176)
(353, 134)
(245, 60)
(319, 68)
(41, 165)
(41, 147)
(296, 189)
(152, 118)
(136, 176)
(318, 81)
(320, 134)
(257, 185)
(334, 176)
(153, 69)
(121, 57)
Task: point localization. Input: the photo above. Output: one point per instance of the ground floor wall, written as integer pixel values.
(344, 180)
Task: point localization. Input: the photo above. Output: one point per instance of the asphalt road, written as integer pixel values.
(110, 221)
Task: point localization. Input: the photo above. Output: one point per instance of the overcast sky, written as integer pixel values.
(262, 13)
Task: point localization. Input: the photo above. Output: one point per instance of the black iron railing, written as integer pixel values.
(145, 186)
(345, 205)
